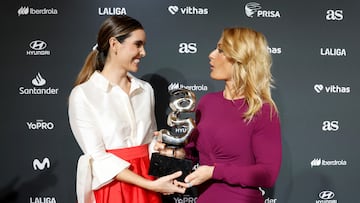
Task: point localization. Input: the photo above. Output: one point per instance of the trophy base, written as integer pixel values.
(161, 165)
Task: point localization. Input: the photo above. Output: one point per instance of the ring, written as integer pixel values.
(189, 185)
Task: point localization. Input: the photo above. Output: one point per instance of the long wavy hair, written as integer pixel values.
(248, 49)
(114, 26)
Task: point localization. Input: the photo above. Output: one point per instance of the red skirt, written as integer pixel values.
(121, 192)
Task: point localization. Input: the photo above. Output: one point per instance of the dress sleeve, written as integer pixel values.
(266, 145)
(84, 125)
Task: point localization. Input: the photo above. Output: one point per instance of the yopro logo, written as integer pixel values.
(254, 9)
(40, 124)
(185, 198)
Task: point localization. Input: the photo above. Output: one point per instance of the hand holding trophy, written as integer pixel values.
(183, 101)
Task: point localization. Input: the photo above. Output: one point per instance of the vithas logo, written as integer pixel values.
(173, 9)
(189, 10)
(334, 89)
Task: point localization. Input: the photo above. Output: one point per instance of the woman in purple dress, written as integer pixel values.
(237, 141)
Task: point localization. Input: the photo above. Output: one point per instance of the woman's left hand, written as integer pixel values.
(200, 175)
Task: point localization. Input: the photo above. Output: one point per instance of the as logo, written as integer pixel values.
(330, 126)
(187, 48)
(334, 15)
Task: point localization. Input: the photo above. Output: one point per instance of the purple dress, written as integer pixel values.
(246, 155)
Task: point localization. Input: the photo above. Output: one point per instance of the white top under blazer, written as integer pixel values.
(103, 117)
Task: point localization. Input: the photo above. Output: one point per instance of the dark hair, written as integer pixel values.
(114, 26)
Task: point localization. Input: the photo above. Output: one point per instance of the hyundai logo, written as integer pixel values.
(38, 45)
(326, 195)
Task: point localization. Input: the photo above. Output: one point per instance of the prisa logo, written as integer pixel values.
(254, 9)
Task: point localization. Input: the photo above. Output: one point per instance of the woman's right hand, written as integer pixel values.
(168, 184)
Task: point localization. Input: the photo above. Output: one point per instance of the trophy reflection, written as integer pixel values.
(182, 102)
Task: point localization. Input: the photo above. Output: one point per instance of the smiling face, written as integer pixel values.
(220, 65)
(131, 50)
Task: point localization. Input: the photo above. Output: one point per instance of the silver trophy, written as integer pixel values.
(183, 101)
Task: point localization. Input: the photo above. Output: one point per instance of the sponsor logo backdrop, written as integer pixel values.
(315, 52)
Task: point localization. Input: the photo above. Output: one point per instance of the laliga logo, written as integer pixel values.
(37, 165)
(173, 9)
(38, 80)
(318, 88)
(251, 8)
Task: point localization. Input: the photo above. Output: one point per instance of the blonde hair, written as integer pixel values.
(248, 49)
(114, 26)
